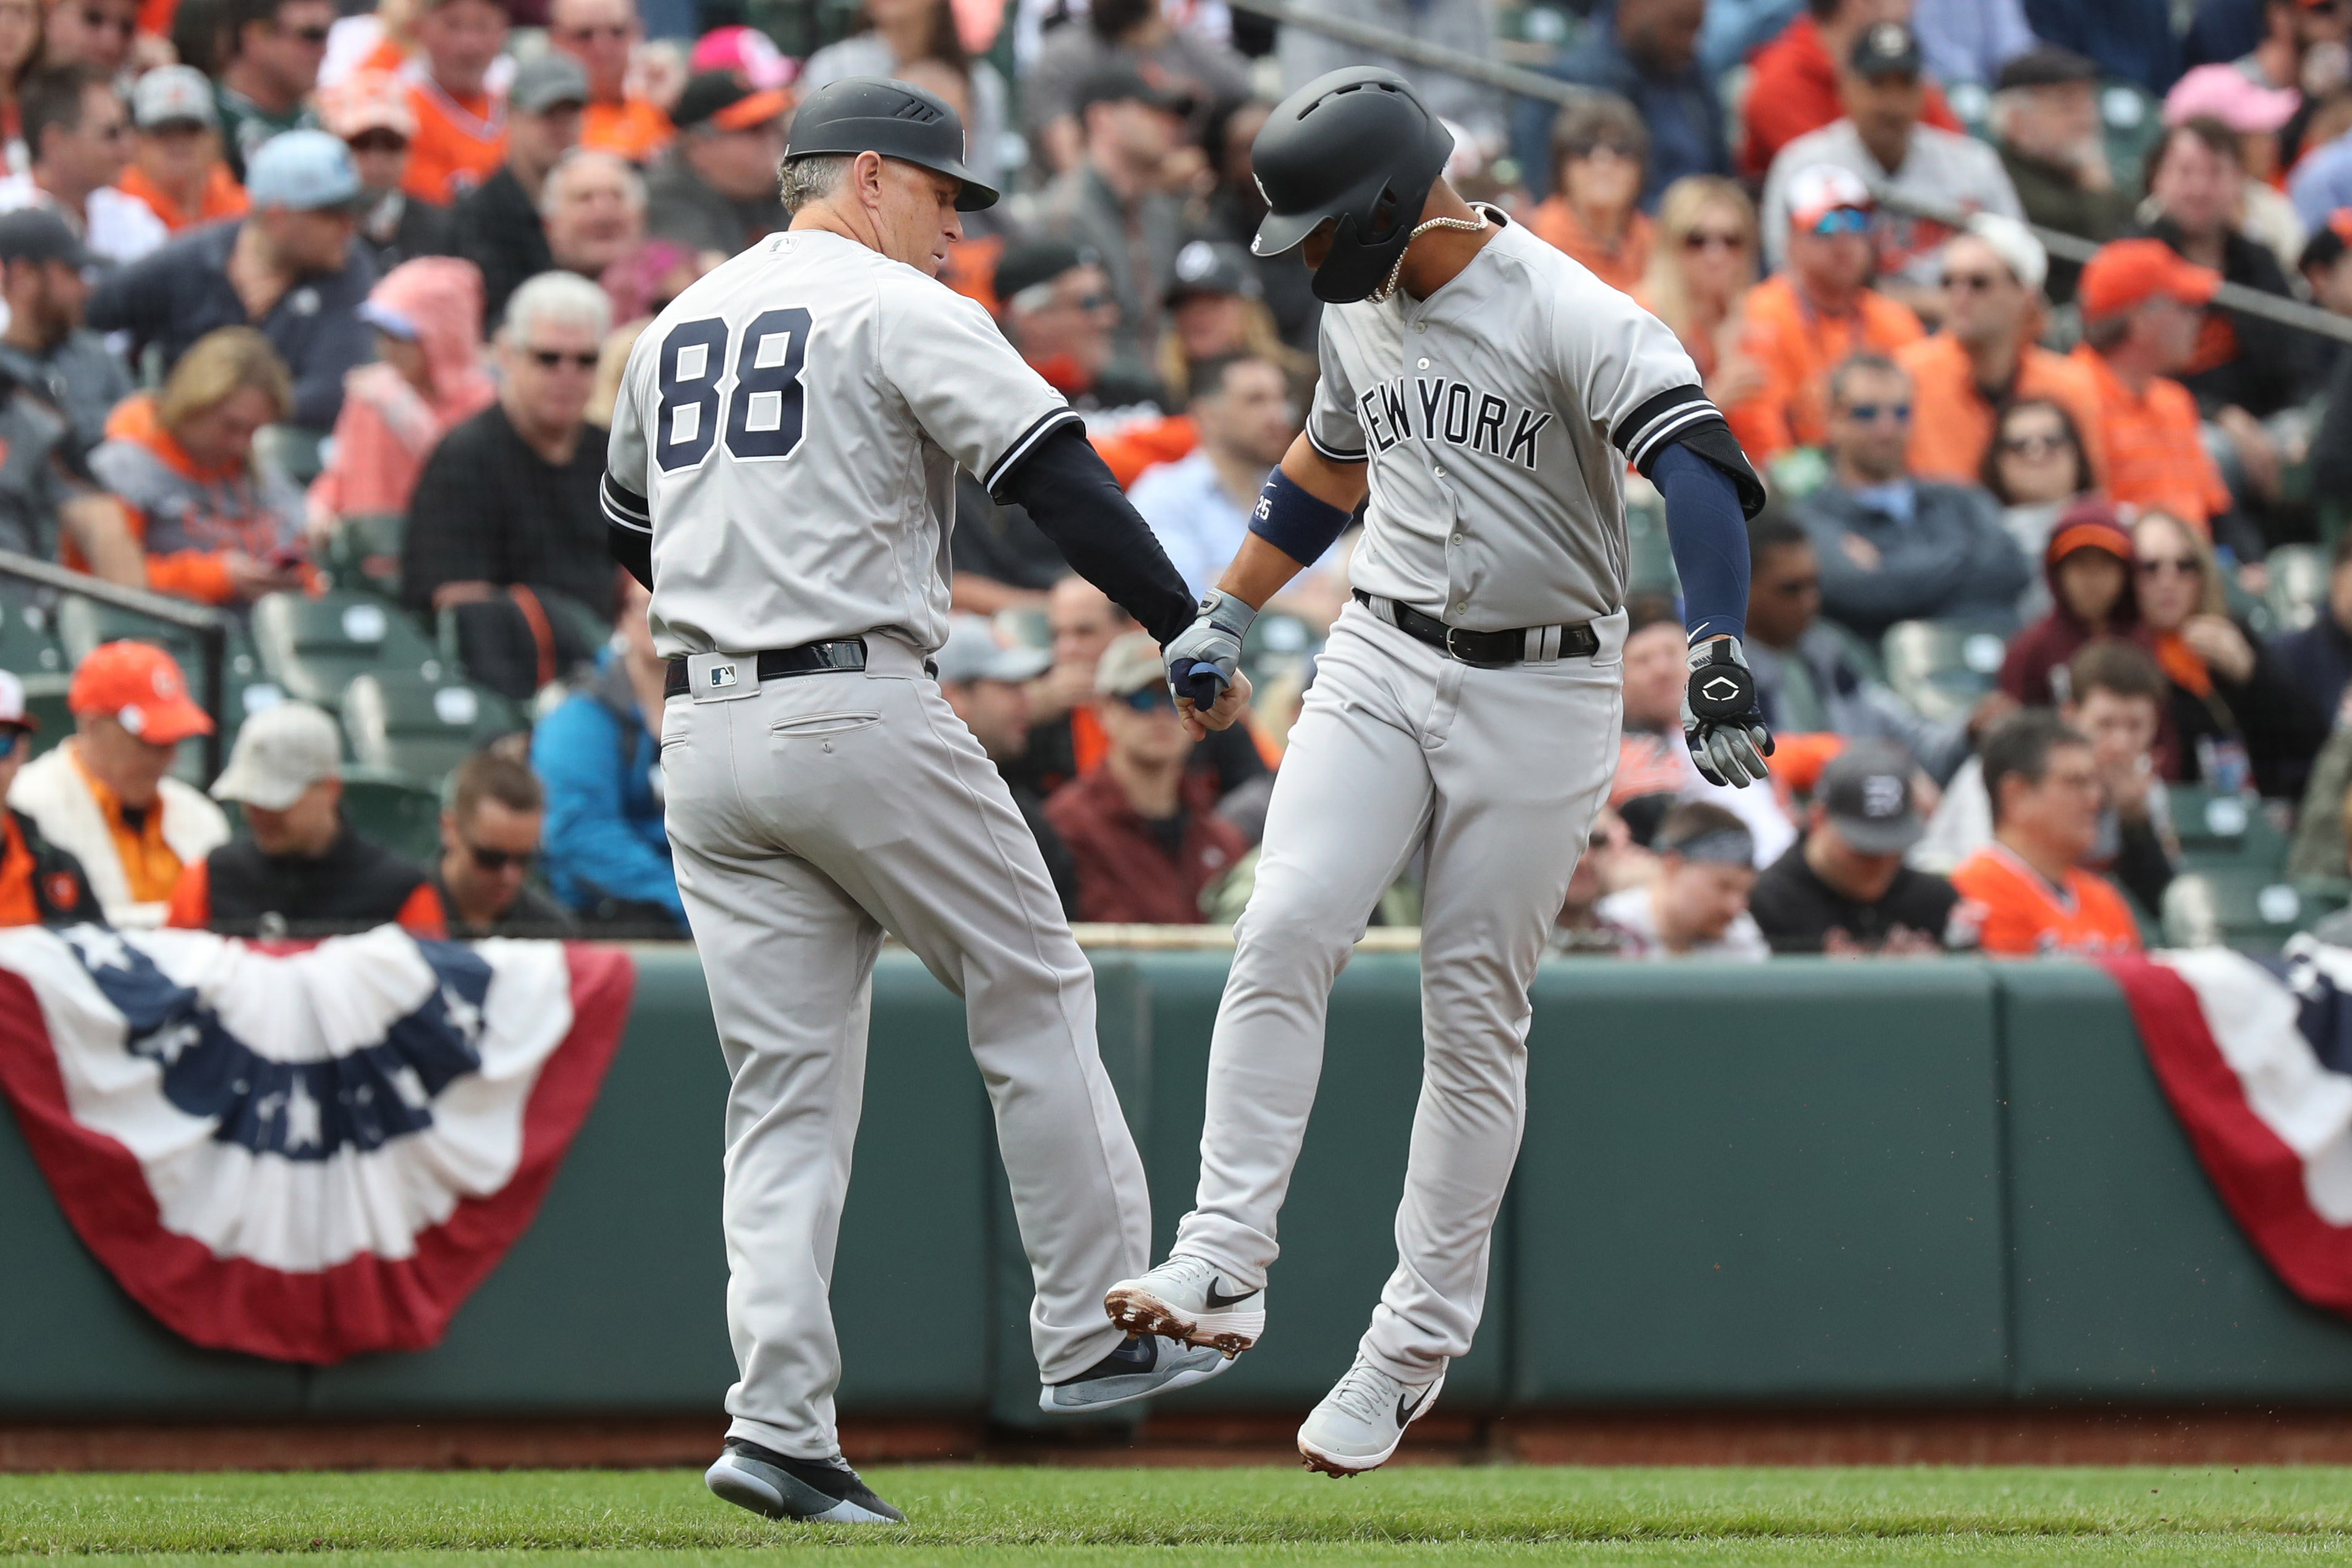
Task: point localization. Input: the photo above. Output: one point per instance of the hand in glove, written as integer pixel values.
(1722, 724)
(1205, 656)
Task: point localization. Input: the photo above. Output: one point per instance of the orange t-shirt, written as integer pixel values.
(149, 866)
(458, 144)
(1952, 425)
(1622, 268)
(222, 197)
(2024, 917)
(17, 906)
(634, 128)
(1798, 347)
(2155, 451)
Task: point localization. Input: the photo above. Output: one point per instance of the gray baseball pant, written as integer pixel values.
(1499, 772)
(805, 821)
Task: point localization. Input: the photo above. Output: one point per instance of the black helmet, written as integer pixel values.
(1357, 145)
(896, 119)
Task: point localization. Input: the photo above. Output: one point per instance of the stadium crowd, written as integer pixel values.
(314, 313)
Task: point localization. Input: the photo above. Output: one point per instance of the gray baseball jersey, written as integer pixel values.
(788, 432)
(1498, 416)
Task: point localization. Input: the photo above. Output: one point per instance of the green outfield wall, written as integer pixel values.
(1795, 1184)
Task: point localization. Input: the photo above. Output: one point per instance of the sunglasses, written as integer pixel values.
(615, 31)
(1983, 282)
(1151, 697)
(1580, 150)
(2034, 445)
(379, 142)
(99, 20)
(1872, 412)
(495, 860)
(1713, 240)
(314, 37)
(1797, 587)
(553, 359)
(1843, 221)
(2163, 565)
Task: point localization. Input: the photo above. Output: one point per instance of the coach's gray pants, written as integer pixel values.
(1499, 772)
(805, 821)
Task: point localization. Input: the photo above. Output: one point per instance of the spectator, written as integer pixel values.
(1984, 358)
(1112, 200)
(606, 855)
(94, 35)
(1598, 147)
(2318, 659)
(2141, 319)
(45, 345)
(78, 132)
(2088, 568)
(1236, 207)
(716, 188)
(895, 36)
(594, 208)
(1701, 267)
(175, 162)
(461, 126)
(2254, 116)
(1697, 904)
(1843, 889)
(2321, 184)
(369, 113)
(600, 35)
(2115, 696)
(49, 506)
(40, 885)
(1803, 322)
(2044, 783)
(499, 226)
(490, 839)
(1216, 308)
(1653, 764)
(428, 377)
(216, 526)
(2034, 466)
(2300, 56)
(290, 269)
(20, 53)
(1970, 41)
(984, 682)
(2044, 119)
(2326, 267)
(2232, 707)
(1894, 547)
(1610, 863)
(1144, 853)
(1199, 507)
(299, 866)
(1792, 85)
(1136, 35)
(269, 72)
(509, 498)
(2132, 40)
(1807, 681)
(1060, 313)
(1882, 140)
(1644, 52)
(106, 797)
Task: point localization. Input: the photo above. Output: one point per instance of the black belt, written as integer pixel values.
(780, 663)
(1489, 648)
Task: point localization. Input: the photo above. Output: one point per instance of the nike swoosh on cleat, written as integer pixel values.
(1406, 1410)
(1218, 1302)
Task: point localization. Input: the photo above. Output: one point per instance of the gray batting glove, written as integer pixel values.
(1204, 656)
(1722, 724)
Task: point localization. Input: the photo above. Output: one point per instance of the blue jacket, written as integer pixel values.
(598, 762)
(1684, 114)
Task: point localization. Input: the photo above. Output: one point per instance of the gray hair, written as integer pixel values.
(560, 297)
(631, 182)
(812, 179)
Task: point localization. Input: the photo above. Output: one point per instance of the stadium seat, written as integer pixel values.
(420, 730)
(1649, 557)
(28, 641)
(395, 811)
(2229, 832)
(296, 452)
(313, 647)
(363, 555)
(84, 623)
(2297, 595)
(45, 701)
(2133, 122)
(1277, 645)
(1943, 668)
(2249, 908)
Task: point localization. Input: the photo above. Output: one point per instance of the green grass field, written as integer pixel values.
(1229, 1517)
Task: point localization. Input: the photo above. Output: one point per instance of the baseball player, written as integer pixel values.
(782, 474)
(1487, 393)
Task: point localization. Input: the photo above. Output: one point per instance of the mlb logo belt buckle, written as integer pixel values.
(722, 677)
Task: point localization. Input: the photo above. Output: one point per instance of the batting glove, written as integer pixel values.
(1203, 657)
(1722, 724)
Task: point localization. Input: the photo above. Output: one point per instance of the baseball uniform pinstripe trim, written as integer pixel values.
(1333, 453)
(624, 508)
(1053, 420)
(1640, 433)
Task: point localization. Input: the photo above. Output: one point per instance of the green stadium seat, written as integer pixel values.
(313, 647)
(1943, 668)
(297, 453)
(2250, 908)
(45, 703)
(363, 555)
(28, 641)
(2133, 120)
(395, 811)
(420, 730)
(2225, 831)
(1649, 557)
(2297, 595)
(1277, 645)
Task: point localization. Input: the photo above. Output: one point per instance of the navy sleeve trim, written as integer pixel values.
(1641, 433)
(1018, 452)
(1333, 453)
(624, 507)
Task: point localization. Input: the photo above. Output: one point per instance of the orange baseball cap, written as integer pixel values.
(2130, 272)
(139, 686)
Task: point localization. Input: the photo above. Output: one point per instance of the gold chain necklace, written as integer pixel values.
(1396, 274)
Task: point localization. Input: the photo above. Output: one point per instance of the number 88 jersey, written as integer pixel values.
(788, 431)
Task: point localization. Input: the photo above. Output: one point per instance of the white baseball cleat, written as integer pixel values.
(1362, 1419)
(1187, 1299)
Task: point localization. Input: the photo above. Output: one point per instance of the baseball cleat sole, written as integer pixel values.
(1321, 1463)
(1139, 1311)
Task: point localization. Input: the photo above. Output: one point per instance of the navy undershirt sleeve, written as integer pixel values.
(1707, 530)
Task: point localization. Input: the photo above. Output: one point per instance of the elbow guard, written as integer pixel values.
(1295, 522)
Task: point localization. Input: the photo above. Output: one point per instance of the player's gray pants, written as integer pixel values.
(805, 821)
(1499, 772)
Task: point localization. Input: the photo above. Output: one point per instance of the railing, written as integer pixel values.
(210, 626)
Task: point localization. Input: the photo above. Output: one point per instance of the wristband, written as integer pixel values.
(1295, 522)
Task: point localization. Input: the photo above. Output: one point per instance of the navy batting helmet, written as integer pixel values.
(896, 119)
(1355, 146)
